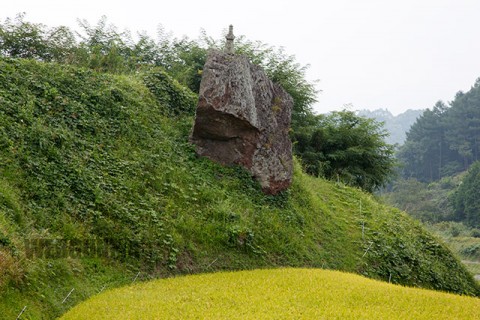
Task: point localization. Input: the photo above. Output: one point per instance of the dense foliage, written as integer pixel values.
(22, 39)
(437, 188)
(444, 140)
(103, 48)
(466, 200)
(346, 147)
(441, 146)
(428, 202)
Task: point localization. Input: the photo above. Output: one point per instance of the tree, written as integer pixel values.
(444, 140)
(283, 69)
(426, 154)
(103, 48)
(344, 146)
(184, 59)
(20, 39)
(23, 39)
(465, 200)
(463, 131)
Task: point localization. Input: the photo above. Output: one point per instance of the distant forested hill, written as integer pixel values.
(445, 140)
(397, 126)
(440, 163)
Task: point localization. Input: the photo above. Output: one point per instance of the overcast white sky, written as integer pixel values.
(404, 54)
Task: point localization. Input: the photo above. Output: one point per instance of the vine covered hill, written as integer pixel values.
(99, 187)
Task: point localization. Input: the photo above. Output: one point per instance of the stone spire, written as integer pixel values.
(243, 119)
(229, 44)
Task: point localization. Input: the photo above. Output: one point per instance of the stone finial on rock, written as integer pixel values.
(229, 43)
(243, 118)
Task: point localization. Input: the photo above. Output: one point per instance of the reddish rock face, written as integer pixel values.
(243, 118)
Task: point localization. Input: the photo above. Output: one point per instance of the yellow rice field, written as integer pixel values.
(274, 294)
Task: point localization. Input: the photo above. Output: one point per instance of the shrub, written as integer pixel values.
(176, 98)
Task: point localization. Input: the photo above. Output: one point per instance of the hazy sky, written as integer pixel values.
(365, 53)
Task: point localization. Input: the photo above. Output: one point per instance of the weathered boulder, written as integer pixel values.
(243, 118)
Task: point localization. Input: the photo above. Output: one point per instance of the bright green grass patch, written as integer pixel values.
(274, 294)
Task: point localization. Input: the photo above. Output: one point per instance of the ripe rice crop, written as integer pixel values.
(274, 294)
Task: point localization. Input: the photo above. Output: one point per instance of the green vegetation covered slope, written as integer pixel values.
(98, 182)
(275, 294)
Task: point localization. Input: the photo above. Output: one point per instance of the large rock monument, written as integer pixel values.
(243, 118)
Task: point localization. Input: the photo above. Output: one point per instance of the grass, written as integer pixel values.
(274, 294)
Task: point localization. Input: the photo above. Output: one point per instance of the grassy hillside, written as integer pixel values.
(99, 186)
(274, 294)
